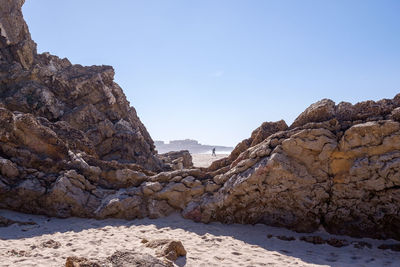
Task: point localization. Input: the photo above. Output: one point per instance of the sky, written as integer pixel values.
(214, 70)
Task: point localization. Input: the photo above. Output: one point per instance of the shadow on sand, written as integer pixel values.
(255, 235)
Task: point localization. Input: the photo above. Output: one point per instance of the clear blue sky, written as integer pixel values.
(214, 70)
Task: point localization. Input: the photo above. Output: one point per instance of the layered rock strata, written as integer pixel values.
(71, 146)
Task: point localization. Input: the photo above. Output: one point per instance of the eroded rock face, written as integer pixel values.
(177, 160)
(318, 112)
(15, 40)
(70, 145)
(257, 136)
(323, 174)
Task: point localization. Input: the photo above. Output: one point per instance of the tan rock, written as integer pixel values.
(322, 110)
(168, 248)
(8, 169)
(80, 262)
(211, 187)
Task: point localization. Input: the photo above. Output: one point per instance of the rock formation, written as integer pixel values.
(177, 160)
(337, 166)
(70, 145)
(126, 258)
(83, 105)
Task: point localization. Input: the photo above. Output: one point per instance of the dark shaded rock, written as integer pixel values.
(92, 112)
(394, 247)
(320, 111)
(338, 243)
(16, 44)
(4, 222)
(317, 240)
(285, 238)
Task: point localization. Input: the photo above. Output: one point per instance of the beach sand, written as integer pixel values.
(211, 244)
(205, 160)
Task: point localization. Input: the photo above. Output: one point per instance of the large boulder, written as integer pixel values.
(322, 110)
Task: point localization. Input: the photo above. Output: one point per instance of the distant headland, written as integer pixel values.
(192, 146)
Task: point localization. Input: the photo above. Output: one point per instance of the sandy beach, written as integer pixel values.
(205, 160)
(51, 240)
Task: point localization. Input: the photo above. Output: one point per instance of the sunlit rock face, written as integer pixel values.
(70, 145)
(336, 166)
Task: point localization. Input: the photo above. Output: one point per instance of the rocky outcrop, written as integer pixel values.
(177, 160)
(16, 44)
(70, 145)
(257, 136)
(342, 175)
(87, 109)
(321, 111)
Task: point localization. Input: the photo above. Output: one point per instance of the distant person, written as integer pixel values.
(213, 152)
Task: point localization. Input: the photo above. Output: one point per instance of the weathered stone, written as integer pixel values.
(50, 244)
(220, 179)
(322, 110)
(8, 169)
(338, 243)
(15, 40)
(82, 105)
(258, 135)
(211, 187)
(317, 240)
(175, 194)
(168, 248)
(129, 258)
(395, 115)
(197, 190)
(150, 188)
(80, 262)
(177, 160)
(159, 208)
(120, 205)
(190, 181)
(123, 178)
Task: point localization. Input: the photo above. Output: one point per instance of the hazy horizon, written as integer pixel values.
(213, 71)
